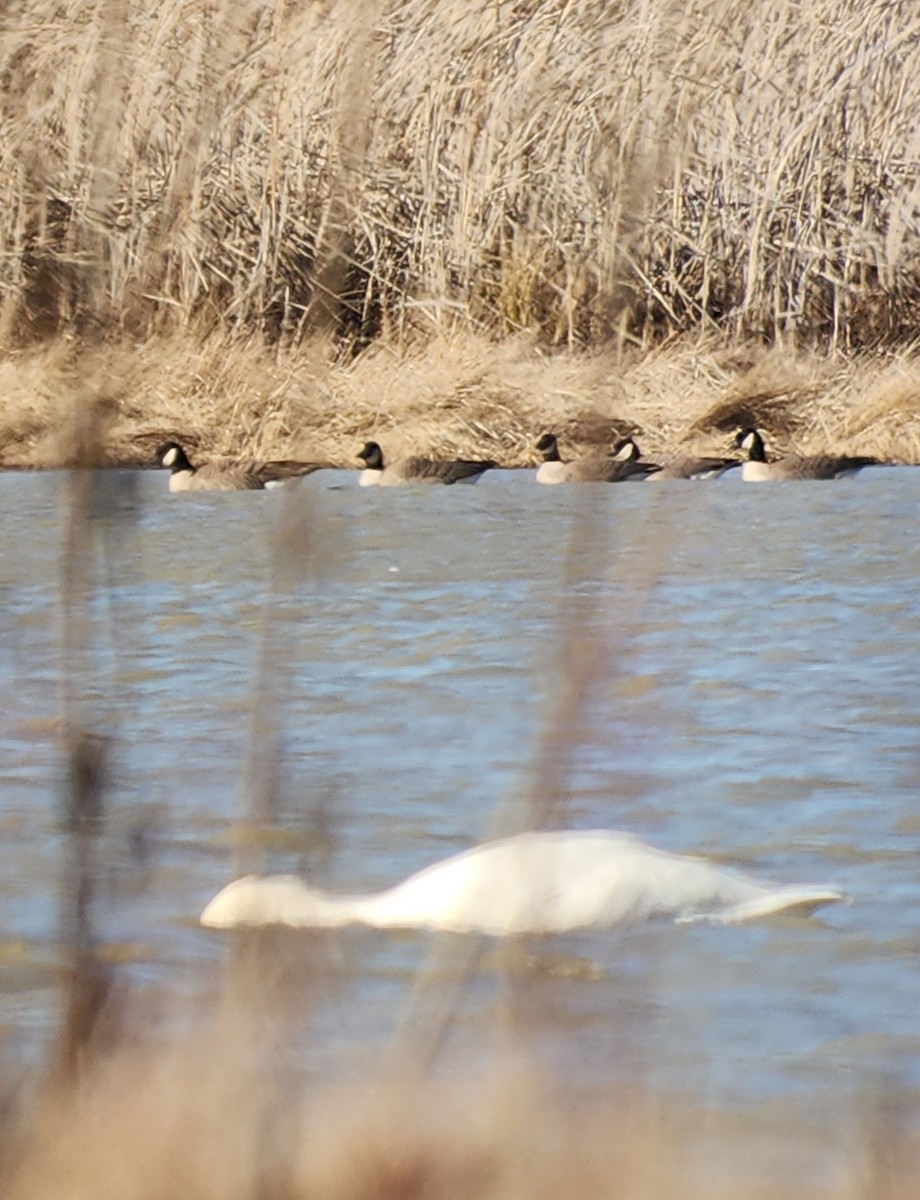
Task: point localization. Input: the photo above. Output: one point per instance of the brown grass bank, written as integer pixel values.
(199, 1120)
(462, 395)
(209, 209)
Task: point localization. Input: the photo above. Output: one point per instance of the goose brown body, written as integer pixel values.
(678, 467)
(760, 469)
(184, 477)
(417, 469)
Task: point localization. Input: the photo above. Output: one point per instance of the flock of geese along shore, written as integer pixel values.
(624, 463)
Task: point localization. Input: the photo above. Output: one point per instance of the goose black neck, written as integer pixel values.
(756, 452)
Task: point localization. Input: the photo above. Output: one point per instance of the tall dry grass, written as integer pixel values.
(583, 168)
(202, 1121)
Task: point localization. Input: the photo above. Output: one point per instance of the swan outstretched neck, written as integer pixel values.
(540, 882)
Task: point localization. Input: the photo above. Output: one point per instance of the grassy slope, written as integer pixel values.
(201, 1121)
(459, 395)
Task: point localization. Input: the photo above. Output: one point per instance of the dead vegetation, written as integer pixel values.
(461, 395)
(218, 213)
(195, 1120)
(586, 171)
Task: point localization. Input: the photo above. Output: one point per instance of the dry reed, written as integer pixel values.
(580, 169)
(241, 196)
(460, 395)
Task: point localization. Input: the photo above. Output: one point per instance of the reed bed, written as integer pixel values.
(249, 195)
(197, 1120)
(583, 169)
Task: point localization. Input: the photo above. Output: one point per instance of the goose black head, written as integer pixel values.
(173, 456)
(548, 447)
(626, 450)
(372, 456)
(751, 441)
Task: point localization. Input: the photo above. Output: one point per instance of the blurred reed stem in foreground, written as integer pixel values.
(92, 506)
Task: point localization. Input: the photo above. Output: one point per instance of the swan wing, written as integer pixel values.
(800, 901)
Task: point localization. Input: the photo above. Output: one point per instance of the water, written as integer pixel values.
(749, 691)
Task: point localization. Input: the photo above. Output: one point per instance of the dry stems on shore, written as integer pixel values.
(461, 395)
(582, 169)
(195, 1120)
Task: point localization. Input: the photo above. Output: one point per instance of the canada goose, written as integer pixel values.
(208, 478)
(817, 466)
(246, 475)
(538, 882)
(595, 468)
(677, 468)
(416, 469)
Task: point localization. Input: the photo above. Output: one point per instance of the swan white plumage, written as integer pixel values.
(538, 882)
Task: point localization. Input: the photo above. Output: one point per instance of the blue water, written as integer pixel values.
(734, 669)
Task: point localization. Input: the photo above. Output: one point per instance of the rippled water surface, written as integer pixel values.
(748, 690)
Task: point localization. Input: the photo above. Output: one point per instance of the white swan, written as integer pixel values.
(542, 882)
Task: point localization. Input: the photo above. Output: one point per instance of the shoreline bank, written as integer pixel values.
(463, 396)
